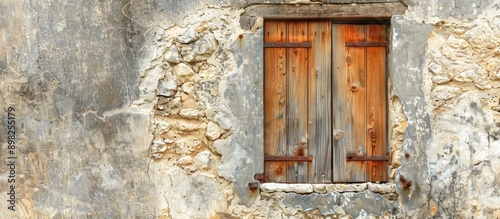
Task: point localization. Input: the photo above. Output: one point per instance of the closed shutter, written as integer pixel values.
(359, 103)
(303, 134)
(297, 101)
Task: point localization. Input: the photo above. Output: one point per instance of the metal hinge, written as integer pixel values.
(255, 185)
(288, 45)
(289, 158)
(354, 157)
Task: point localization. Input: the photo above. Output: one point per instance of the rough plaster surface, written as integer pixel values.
(132, 109)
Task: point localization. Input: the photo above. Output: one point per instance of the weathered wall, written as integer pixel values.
(154, 109)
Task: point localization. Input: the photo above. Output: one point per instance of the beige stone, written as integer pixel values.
(185, 160)
(183, 73)
(213, 131)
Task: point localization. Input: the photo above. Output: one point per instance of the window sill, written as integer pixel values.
(386, 189)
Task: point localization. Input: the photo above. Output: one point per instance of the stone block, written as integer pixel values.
(172, 55)
(167, 88)
(200, 50)
(183, 73)
(188, 36)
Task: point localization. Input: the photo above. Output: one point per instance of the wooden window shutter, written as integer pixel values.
(359, 103)
(325, 109)
(297, 101)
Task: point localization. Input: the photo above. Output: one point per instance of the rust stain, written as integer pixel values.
(405, 183)
(433, 210)
(240, 40)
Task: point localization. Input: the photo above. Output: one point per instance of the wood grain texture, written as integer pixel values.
(376, 104)
(325, 103)
(297, 105)
(275, 102)
(349, 85)
(356, 105)
(319, 95)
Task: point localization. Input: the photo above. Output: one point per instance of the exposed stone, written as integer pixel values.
(188, 87)
(440, 79)
(213, 131)
(200, 50)
(162, 127)
(183, 73)
(173, 55)
(466, 76)
(167, 88)
(435, 68)
(204, 160)
(190, 113)
(188, 36)
(186, 146)
(190, 168)
(185, 160)
(158, 146)
(495, 76)
(443, 94)
(173, 106)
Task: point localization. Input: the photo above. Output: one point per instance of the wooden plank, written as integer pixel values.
(320, 145)
(275, 102)
(297, 101)
(341, 120)
(376, 105)
(348, 102)
(356, 103)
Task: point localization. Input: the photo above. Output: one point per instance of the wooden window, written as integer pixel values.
(325, 102)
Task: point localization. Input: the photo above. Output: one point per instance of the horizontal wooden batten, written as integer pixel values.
(288, 45)
(366, 44)
(289, 158)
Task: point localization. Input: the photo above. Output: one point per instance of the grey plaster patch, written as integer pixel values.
(202, 193)
(100, 166)
(338, 203)
(371, 203)
(409, 40)
(325, 203)
(244, 93)
(458, 9)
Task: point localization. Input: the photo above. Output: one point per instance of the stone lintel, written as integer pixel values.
(324, 11)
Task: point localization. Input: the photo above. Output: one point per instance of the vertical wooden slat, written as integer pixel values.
(275, 101)
(340, 119)
(319, 144)
(297, 70)
(376, 104)
(349, 102)
(356, 101)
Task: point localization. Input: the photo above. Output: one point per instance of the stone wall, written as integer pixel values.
(135, 109)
